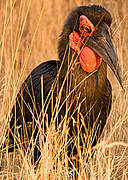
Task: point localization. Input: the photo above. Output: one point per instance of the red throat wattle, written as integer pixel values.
(89, 60)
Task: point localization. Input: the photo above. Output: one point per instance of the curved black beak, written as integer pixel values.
(101, 43)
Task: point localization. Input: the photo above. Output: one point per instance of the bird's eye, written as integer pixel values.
(88, 30)
(85, 28)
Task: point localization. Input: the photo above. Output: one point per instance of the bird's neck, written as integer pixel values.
(91, 85)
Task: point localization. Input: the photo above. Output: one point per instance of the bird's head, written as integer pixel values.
(86, 32)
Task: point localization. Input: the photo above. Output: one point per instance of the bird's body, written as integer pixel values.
(85, 92)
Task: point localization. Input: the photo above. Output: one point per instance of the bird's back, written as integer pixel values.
(28, 106)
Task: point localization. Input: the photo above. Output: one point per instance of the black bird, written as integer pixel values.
(78, 79)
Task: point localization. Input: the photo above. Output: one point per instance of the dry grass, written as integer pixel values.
(29, 31)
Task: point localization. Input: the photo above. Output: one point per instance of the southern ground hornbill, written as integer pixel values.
(74, 89)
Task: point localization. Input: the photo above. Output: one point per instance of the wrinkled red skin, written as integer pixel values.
(89, 60)
(75, 42)
(84, 21)
(88, 55)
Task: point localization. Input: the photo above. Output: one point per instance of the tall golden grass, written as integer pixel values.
(29, 32)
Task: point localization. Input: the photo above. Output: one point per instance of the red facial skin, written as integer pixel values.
(75, 41)
(89, 60)
(84, 21)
